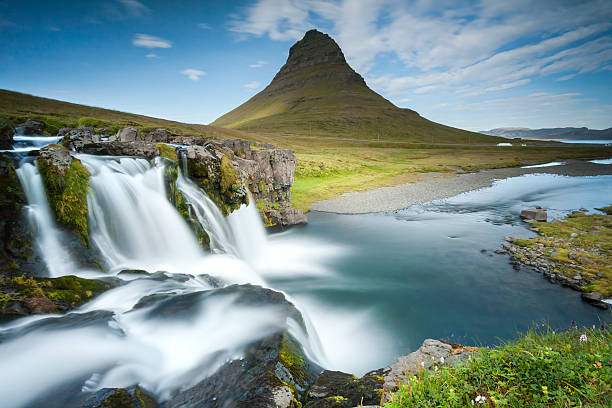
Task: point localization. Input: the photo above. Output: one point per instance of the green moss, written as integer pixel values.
(263, 209)
(230, 180)
(290, 355)
(68, 291)
(167, 151)
(67, 194)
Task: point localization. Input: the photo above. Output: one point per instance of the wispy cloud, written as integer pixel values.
(149, 41)
(252, 85)
(152, 55)
(193, 74)
(258, 64)
(134, 7)
(204, 26)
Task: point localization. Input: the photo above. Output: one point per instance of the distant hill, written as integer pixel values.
(552, 133)
(16, 107)
(317, 93)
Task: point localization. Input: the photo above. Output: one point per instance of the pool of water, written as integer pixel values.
(391, 280)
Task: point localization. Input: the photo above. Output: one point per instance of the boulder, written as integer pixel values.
(6, 137)
(128, 134)
(157, 136)
(75, 139)
(30, 127)
(536, 214)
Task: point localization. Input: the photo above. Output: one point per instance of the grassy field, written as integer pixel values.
(572, 368)
(327, 167)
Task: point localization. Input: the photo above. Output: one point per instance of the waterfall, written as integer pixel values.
(48, 236)
(132, 222)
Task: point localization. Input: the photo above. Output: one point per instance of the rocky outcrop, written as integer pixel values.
(337, 389)
(75, 139)
(30, 127)
(6, 137)
(66, 182)
(116, 148)
(270, 177)
(228, 170)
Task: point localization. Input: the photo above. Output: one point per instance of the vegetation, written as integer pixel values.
(580, 244)
(66, 291)
(67, 194)
(167, 151)
(548, 369)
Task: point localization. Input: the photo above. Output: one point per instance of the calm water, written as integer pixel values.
(420, 273)
(597, 141)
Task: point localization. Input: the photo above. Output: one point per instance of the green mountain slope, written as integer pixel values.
(16, 107)
(316, 93)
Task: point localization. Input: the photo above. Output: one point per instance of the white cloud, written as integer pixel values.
(258, 64)
(252, 85)
(152, 55)
(204, 26)
(444, 44)
(134, 7)
(149, 41)
(193, 74)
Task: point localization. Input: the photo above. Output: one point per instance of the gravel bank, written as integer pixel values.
(405, 195)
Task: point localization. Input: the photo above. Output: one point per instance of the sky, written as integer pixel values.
(475, 65)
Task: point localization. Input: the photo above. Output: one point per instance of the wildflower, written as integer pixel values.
(423, 364)
(481, 399)
(602, 327)
(545, 389)
(436, 368)
(472, 402)
(573, 324)
(442, 360)
(583, 338)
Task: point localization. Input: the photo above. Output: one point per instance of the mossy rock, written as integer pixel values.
(47, 295)
(133, 397)
(66, 182)
(337, 389)
(167, 151)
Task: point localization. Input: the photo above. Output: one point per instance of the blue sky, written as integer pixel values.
(473, 65)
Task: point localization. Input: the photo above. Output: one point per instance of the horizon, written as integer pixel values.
(472, 66)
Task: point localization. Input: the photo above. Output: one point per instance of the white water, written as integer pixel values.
(551, 164)
(48, 237)
(161, 346)
(602, 161)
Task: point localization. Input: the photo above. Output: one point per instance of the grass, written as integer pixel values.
(588, 252)
(540, 369)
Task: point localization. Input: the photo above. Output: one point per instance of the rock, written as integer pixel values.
(338, 389)
(510, 239)
(573, 235)
(75, 139)
(128, 134)
(40, 305)
(577, 277)
(583, 209)
(31, 127)
(157, 136)
(57, 157)
(135, 149)
(536, 214)
(133, 397)
(596, 299)
(6, 137)
(269, 368)
(432, 352)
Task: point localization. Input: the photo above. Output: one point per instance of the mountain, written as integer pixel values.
(552, 133)
(317, 93)
(16, 107)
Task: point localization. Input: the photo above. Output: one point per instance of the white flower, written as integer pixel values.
(481, 399)
(442, 360)
(422, 364)
(472, 402)
(436, 368)
(583, 338)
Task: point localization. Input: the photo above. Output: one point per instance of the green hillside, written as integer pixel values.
(316, 93)
(16, 107)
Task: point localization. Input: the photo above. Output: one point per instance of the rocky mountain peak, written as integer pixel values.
(317, 54)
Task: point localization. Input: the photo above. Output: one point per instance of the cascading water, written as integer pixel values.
(48, 237)
(156, 343)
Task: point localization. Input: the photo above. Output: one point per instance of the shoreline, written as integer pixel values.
(405, 195)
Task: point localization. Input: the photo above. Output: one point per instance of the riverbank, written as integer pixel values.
(444, 186)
